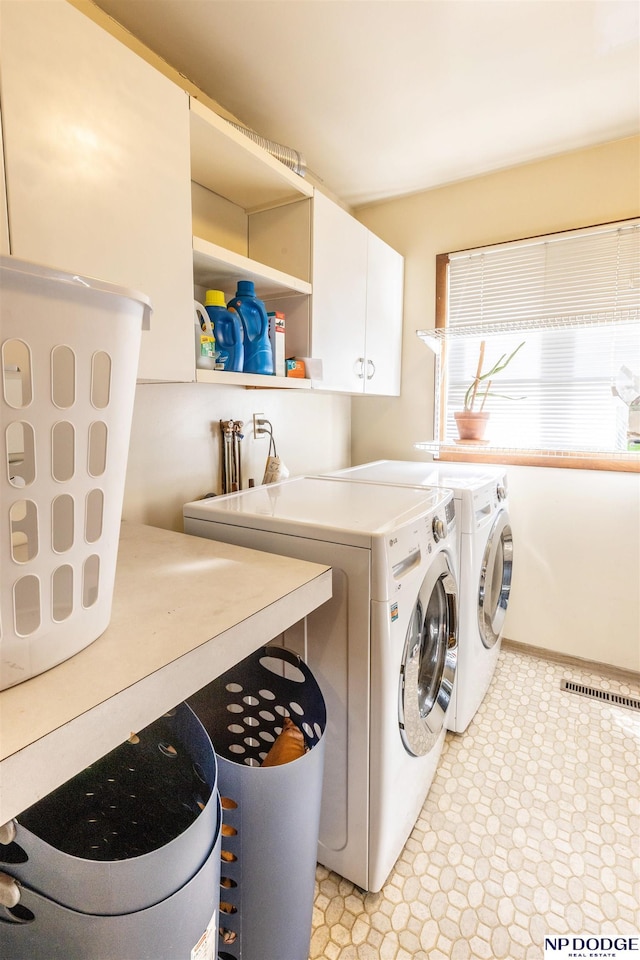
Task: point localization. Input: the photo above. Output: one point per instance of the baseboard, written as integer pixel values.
(615, 673)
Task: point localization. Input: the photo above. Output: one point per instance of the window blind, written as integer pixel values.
(574, 299)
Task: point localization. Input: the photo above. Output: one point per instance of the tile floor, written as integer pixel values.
(531, 827)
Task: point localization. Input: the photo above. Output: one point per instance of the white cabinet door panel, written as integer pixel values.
(383, 345)
(97, 167)
(339, 294)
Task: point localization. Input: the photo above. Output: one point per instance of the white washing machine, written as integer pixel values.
(485, 551)
(383, 649)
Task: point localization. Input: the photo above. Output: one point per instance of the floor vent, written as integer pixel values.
(616, 698)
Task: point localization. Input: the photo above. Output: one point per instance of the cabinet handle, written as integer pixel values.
(371, 375)
(360, 360)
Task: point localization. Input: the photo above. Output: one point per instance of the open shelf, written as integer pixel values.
(217, 268)
(257, 380)
(230, 164)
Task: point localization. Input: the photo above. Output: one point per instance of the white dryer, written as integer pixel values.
(485, 551)
(383, 649)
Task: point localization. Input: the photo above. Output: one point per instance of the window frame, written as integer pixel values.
(528, 458)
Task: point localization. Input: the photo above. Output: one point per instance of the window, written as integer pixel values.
(573, 300)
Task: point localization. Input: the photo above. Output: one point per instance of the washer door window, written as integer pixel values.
(429, 660)
(495, 581)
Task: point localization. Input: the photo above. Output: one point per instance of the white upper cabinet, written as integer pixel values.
(383, 341)
(97, 168)
(356, 305)
(339, 295)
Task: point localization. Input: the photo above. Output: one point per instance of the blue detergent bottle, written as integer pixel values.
(227, 330)
(258, 354)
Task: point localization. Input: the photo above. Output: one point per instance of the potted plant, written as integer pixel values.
(472, 419)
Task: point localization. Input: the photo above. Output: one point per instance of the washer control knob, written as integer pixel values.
(439, 529)
(501, 491)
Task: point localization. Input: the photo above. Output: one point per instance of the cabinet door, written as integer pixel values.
(97, 167)
(383, 345)
(339, 295)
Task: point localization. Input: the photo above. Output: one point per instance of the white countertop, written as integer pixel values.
(185, 609)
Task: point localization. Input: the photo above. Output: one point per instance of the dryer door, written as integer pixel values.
(429, 659)
(495, 580)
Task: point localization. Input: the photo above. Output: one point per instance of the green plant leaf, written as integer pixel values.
(498, 367)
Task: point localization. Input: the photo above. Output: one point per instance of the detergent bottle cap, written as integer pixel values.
(246, 288)
(214, 298)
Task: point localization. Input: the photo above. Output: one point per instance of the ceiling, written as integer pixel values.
(388, 97)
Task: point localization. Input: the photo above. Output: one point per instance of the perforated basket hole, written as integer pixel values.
(267, 694)
(234, 687)
(228, 937)
(63, 377)
(297, 708)
(12, 853)
(90, 580)
(63, 454)
(94, 515)
(19, 914)
(97, 448)
(17, 380)
(62, 523)
(23, 520)
(100, 379)
(20, 449)
(26, 605)
(62, 593)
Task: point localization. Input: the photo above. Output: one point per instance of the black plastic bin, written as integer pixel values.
(123, 861)
(271, 815)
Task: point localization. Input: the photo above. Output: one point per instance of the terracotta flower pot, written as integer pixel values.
(471, 425)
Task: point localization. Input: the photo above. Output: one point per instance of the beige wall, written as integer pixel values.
(577, 572)
(175, 449)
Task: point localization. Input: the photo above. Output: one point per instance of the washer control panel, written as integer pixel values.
(410, 548)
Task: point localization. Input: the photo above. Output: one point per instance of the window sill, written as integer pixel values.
(622, 462)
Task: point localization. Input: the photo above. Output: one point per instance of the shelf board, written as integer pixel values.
(252, 380)
(432, 337)
(170, 634)
(217, 268)
(230, 164)
(624, 460)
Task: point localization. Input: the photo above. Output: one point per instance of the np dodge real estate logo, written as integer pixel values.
(564, 947)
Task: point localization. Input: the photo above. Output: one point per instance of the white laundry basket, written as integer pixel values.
(70, 350)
